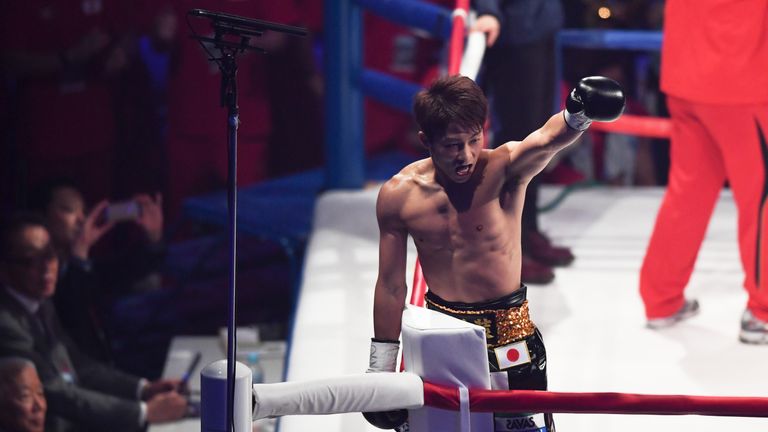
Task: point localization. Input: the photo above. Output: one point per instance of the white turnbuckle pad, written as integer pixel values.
(349, 393)
(448, 351)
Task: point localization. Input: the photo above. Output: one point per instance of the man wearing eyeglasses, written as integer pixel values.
(82, 394)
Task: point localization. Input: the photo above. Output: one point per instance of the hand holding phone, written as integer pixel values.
(90, 231)
(151, 215)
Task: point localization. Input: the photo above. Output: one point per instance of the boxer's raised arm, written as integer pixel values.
(593, 99)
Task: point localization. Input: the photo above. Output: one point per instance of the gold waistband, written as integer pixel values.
(502, 326)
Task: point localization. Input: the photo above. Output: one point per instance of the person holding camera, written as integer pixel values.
(87, 284)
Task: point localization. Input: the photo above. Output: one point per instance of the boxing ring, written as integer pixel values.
(602, 359)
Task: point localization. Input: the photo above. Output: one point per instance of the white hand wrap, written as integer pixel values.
(578, 121)
(383, 356)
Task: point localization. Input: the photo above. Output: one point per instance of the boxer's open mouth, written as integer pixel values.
(463, 170)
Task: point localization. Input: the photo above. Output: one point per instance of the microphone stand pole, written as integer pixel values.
(229, 97)
(241, 28)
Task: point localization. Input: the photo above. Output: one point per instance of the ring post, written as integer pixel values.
(213, 398)
(345, 150)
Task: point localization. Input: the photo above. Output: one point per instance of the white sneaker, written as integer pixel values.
(753, 329)
(690, 308)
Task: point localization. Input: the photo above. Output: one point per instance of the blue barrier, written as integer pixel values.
(431, 18)
(281, 209)
(393, 92)
(641, 40)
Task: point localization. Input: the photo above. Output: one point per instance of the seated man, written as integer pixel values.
(81, 393)
(22, 403)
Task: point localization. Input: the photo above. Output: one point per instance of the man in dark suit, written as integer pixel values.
(22, 403)
(82, 394)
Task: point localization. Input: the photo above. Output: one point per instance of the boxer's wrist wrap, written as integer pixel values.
(577, 121)
(384, 359)
(383, 355)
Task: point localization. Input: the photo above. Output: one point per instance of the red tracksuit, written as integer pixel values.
(714, 63)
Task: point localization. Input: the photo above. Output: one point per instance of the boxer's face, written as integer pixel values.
(455, 154)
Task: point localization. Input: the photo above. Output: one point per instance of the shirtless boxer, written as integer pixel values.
(462, 206)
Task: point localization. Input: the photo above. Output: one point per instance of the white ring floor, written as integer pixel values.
(591, 316)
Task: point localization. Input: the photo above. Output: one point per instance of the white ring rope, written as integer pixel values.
(473, 55)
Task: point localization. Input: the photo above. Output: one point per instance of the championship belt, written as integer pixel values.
(505, 330)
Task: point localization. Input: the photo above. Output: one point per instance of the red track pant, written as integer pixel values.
(709, 144)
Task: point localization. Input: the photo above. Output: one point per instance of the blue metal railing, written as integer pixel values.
(347, 81)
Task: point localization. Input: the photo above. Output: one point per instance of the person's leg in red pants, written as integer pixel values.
(696, 176)
(709, 143)
(740, 133)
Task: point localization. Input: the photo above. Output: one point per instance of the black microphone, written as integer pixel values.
(249, 26)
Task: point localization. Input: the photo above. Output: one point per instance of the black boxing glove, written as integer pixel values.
(384, 359)
(393, 420)
(594, 98)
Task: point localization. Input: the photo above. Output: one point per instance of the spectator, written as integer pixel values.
(22, 402)
(81, 393)
(141, 102)
(87, 286)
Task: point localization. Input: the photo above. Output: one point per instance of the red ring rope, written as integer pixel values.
(457, 37)
(654, 127)
(438, 396)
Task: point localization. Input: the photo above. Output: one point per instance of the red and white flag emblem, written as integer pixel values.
(512, 355)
